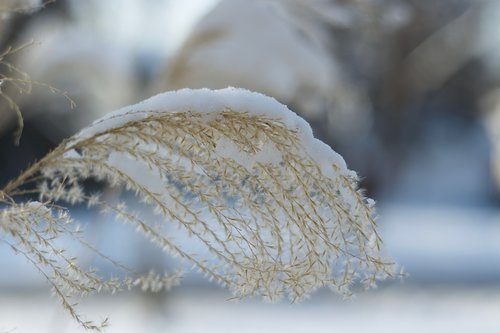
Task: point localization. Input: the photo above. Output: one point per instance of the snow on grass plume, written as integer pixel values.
(277, 210)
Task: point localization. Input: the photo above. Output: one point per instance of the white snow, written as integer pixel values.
(212, 102)
(408, 310)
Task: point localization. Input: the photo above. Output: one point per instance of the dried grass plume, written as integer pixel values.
(277, 211)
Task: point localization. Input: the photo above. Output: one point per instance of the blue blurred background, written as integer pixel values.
(408, 91)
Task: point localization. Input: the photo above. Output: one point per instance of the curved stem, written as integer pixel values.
(31, 171)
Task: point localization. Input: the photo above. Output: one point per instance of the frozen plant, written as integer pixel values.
(277, 210)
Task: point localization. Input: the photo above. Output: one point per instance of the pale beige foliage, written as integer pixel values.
(274, 226)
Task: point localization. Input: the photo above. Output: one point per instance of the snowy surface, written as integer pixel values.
(213, 102)
(198, 310)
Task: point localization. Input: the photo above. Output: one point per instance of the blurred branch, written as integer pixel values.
(441, 55)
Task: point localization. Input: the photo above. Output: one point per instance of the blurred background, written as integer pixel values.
(408, 91)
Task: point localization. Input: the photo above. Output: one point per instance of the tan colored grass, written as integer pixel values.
(272, 230)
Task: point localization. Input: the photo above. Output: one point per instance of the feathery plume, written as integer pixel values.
(277, 210)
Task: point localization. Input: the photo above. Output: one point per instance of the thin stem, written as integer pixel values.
(32, 170)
